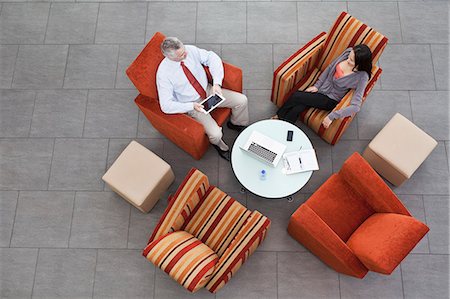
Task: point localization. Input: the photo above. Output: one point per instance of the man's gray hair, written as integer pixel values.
(170, 45)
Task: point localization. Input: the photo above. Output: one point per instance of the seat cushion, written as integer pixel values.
(394, 144)
(385, 239)
(137, 173)
(186, 259)
(216, 220)
(142, 72)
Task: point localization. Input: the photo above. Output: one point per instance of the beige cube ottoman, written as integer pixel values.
(399, 149)
(139, 176)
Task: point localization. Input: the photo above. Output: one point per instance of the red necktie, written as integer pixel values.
(201, 92)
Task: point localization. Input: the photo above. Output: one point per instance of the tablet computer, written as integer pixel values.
(211, 102)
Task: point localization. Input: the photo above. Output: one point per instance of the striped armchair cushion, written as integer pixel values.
(216, 220)
(347, 32)
(244, 244)
(191, 190)
(186, 259)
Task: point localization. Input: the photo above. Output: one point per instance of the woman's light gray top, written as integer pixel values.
(336, 89)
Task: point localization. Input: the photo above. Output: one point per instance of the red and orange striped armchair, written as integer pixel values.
(204, 235)
(304, 67)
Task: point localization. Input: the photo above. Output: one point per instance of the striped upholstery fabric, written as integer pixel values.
(245, 243)
(346, 32)
(192, 189)
(288, 75)
(216, 220)
(204, 229)
(186, 259)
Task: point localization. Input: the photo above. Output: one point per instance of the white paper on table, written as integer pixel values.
(300, 161)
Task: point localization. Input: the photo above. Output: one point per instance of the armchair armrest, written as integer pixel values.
(290, 72)
(311, 231)
(181, 129)
(232, 78)
(191, 190)
(244, 244)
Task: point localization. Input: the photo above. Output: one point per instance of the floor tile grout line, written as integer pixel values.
(426, 222)
(51, 164)
(35, 271)
(196, 22)
(32, 113)
(85, 113)
(432, 65)
(339, 284)
(401, 277)
(117, 66)
(96, 23)
(399, 21)
(146, 21)
(65, 67)
(71, 218)
(154, 282)
(276, 275)
(246, 22)
(14, 219)
(48, 20)
(95, 271)
(129, 225)
(15, 65)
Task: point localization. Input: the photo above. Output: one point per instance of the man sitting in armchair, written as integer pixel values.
(182, 84)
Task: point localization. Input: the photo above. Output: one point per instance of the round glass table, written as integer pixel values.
(276, 183)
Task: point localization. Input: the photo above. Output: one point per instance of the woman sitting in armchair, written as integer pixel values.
(351, 70)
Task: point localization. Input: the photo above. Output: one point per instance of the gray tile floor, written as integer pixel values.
(67, 111)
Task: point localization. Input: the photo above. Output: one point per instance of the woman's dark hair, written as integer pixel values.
(363, 58)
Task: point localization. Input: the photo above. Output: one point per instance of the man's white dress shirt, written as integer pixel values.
(176, 94)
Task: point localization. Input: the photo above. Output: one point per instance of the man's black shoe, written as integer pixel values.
(232, 126)
(223, 154)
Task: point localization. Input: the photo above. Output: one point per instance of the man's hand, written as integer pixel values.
(312, 89)
(326, 122)
(217, 89)
(198, 107)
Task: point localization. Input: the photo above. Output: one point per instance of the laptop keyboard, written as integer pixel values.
(262, 152)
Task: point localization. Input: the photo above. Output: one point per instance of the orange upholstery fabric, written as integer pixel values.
(385, 239)
(200, 214)
(336, 203)
(342, 222)
(181, 129)
(312, 232)
(302, 69)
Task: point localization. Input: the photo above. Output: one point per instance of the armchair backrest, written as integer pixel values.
(142, 72)
(370, 186)
(188, 195)
(346, 32)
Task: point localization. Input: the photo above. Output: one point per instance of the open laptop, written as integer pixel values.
(264, 148)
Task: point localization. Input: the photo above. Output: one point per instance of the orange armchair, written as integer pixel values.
(181, 129)
(304, 67)
(355, 223)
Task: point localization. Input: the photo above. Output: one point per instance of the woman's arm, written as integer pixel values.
(356, 101)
